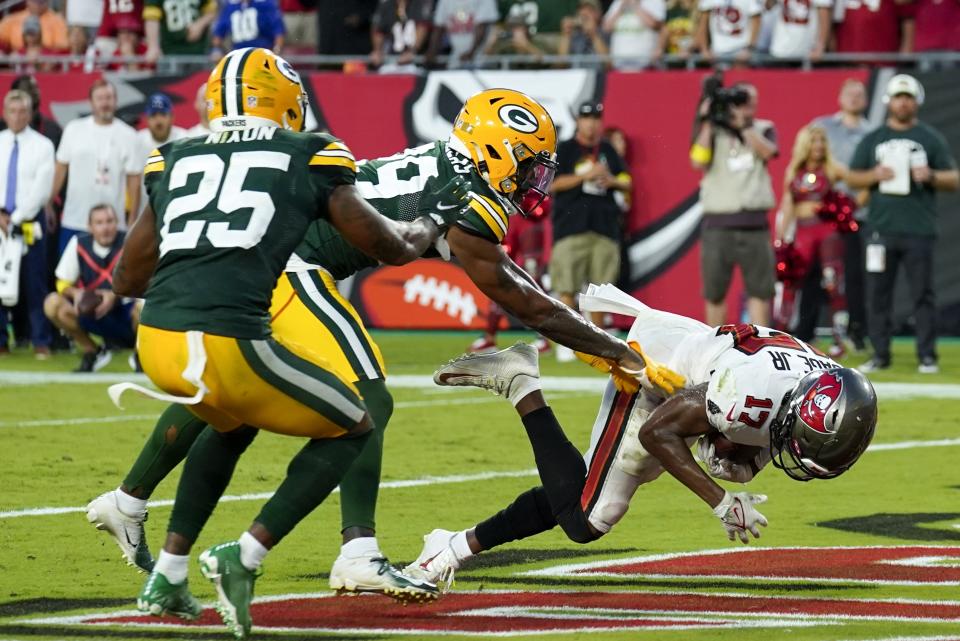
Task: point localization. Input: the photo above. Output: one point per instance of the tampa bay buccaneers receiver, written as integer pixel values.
(769, 395)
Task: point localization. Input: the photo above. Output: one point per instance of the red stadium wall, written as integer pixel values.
(380, 115)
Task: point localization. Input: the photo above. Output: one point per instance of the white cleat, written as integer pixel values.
(495, 372)
(437, 561)
(126, 530)
(377, 575)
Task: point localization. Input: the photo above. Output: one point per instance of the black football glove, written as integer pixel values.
(444, 205)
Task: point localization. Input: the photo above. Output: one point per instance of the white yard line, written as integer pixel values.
(260, 496)
(889, 390)
(430, 480)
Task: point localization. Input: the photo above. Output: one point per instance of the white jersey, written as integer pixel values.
(748, 371)
(730, 23)
(795, 31)
(748, 368)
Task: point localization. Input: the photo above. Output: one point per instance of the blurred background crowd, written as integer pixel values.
(411, 35)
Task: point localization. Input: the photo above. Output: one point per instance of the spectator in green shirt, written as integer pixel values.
(903, 163)
(177, 27)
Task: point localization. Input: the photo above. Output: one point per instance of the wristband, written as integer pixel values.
(700, 154)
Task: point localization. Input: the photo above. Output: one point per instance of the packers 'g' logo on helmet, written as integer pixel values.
(513, 144)
(255, 87)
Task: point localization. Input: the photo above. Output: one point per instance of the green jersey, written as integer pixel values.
(231, 207)
(913, 213)
(174, 17)
(394, 185)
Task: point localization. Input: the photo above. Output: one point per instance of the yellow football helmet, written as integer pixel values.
(255, 87)
(513, 144)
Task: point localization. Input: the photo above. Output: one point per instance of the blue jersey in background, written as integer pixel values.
(249, 23)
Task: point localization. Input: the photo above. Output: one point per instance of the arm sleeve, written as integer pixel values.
(276, 19)
(153, 10)
(440, 13)
(37, 190)
(68, 269)
(486, 12)
(862, 155)
(332, 164)
(656, 8)
(486, 217)
(941, 158)
(133, 163)
(66, 145)
(152, 172)
(222, 23)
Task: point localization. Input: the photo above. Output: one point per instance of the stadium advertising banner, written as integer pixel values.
(381, 115)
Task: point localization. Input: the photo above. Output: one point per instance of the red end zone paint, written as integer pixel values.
(914, 564)
(527, 612)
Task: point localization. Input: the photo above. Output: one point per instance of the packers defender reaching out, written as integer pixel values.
(502, 146)
(226, 211)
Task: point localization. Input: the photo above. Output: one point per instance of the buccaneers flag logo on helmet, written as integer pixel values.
(820, 399)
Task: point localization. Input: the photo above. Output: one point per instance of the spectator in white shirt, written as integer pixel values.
(466, 23)
(99, 154)
(26, 177)
(160, 128)
(159, 131)
(634, 28)
(802, 29)
(728, 28)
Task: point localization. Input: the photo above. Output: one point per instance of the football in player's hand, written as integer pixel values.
(88, 301)
(735, 452)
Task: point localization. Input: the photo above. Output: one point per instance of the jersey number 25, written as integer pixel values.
(232, 196)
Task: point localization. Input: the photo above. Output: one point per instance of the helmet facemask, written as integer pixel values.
(535, 175)
(795, 447)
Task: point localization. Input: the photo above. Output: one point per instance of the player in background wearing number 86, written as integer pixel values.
(205, 339)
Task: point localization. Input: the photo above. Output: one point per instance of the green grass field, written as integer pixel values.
(897, 514)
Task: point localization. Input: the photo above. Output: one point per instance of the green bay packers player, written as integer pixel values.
(226, 212)
(502, 145)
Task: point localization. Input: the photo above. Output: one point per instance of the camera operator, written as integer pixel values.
(732, 149)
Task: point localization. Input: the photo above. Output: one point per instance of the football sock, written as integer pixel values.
(360, 547)
(175, 431)
(206, 475)
(521, 386)
(130, 505)
(529, 514)
(562, 472)
(172, 566)
(252, 551)
(312, 474)
(460, 546)
(559, 463)
(360, 485)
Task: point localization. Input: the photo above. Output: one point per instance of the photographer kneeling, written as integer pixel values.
(84, 303)
(732, 149)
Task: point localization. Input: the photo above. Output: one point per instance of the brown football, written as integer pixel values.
(88, 302)
(736, 452)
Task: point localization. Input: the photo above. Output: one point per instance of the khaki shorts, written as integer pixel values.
(583, 258)
(750, 249)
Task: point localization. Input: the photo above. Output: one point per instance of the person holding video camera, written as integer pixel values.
(903, 163)
(732, 148)
(26, 178)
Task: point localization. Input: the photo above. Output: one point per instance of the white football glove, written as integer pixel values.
(739, 516)
(720, 467)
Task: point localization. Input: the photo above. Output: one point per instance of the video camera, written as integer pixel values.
(722, 99)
